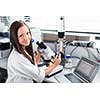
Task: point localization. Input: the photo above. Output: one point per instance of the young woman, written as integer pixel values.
(22, 65)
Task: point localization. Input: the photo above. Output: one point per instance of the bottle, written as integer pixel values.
(68, 62)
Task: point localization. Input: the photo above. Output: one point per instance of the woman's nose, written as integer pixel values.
(25, 37)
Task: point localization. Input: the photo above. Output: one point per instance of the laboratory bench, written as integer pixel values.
(60, 77)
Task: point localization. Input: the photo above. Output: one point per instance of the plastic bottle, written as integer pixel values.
(68, 62)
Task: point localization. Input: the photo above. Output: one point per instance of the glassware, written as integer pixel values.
(68, 62)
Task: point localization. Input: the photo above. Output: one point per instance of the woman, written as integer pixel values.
(22, 65)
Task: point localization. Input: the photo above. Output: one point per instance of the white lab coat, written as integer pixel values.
(21, 70)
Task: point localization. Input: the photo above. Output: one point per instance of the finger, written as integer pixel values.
(57, 56)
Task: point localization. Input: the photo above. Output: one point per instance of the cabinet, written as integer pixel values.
(3, 75)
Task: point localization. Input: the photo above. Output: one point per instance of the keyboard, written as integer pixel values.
(73, 78)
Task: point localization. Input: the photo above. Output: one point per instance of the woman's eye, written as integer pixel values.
(27, 33)
(20, 35)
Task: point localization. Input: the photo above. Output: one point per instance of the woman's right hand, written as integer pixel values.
(57, 60)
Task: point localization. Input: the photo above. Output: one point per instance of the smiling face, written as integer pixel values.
(24, 36)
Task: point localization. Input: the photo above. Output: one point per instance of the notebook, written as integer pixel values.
(85, 71)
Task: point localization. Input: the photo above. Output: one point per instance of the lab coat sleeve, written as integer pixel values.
(24, 68)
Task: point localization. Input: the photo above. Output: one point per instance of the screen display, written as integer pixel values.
(87, 69)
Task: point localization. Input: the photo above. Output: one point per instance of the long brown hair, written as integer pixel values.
(14, 40)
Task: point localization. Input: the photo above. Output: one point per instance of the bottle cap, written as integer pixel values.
(68, 56)
(32, 40)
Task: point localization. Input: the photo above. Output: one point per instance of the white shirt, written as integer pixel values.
(21, 70)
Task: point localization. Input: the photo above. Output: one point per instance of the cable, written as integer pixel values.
(73, 50)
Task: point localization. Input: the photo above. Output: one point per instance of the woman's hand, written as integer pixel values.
(57, 60)
(37, 58)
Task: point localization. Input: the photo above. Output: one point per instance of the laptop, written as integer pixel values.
(85, 71)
